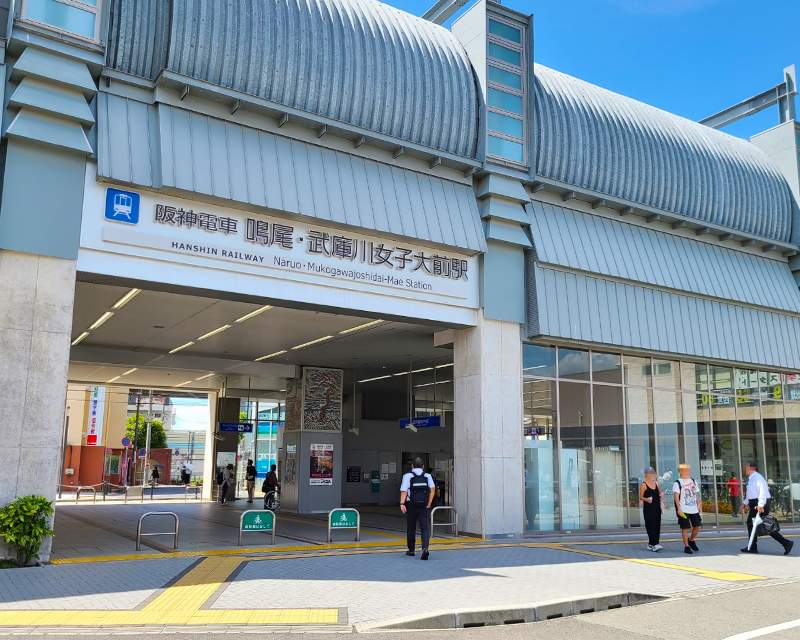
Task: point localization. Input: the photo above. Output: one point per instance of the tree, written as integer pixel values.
(158, 438)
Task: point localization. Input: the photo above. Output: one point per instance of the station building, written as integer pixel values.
(356, 217)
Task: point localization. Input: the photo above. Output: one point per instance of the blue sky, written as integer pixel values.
(690, 57)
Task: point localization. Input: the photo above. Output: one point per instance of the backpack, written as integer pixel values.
(678, 483)
(418, 490)
(220, 477)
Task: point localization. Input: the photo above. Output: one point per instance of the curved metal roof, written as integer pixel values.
(355, 61)
(596, 139)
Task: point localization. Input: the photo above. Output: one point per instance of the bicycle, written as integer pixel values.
(272, 500)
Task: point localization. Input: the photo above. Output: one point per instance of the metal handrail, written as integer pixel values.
(186, 494)
(134, 488)
(274, 523)
(139, 533)
(86, 488)
(357, 527)
(453, 524)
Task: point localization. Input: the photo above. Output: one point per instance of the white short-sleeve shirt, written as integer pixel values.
(405, 485)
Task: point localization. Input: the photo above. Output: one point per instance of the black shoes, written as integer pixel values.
(693, 545)
(424, 554)
(787, 548)
(409, 553)
(753, 550)
(687, 551)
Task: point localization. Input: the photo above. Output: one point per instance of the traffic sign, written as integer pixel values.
(344, 519)
(257, 520)
(126, 441)
(142, 452)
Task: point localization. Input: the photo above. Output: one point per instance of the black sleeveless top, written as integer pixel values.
(655, 494)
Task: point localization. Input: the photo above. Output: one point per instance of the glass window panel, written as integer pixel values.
(771, 385)
(793, 431)
(505, 54)
(538, 360)
(576, 456)
(508, 78)
(62, 16)
(749, 420)
(721, 378)
(637, 371)
(792, 390)
(541, 464)
(700, 456)
(606, 367)
(609, 458)
(505, 101)
(504, 124)
(694, 376)
(777, 470)
(746, 382)
(666, 374)
(726, 452)
(669, 447)
(506, 149)
(641, 445)
(505, 31)
(573, 364)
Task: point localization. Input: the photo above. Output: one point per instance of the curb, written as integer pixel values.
(494, 616)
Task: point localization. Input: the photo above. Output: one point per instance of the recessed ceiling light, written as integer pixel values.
(308, 344)
(362, 326)
(101, 320)
(114, 379)
(126, 298)
(254, 313)
(271, 355)
(214, 332)
(183, 383)
(183, 346)
(208, 375)
(79, 338)
(130, 371)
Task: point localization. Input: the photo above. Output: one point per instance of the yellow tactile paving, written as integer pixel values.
(726, 576)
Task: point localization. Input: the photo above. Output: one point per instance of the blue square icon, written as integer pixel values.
(122, 206)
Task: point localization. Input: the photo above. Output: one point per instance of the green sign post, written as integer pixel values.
(257, 520)
(344, 518)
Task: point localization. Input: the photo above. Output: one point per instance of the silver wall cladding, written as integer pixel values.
(162, 146)
(608, 247)
(355, 61)
(589, 309)
(599, 140)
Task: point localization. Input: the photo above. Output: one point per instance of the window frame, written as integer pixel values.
(521, 93)
(84, 6)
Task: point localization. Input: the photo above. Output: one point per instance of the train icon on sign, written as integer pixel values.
(122, 206)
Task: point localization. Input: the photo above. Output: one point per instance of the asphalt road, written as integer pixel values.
(715, 614)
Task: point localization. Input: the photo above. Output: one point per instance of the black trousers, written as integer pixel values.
(421, 515)
(753, 504)
(652, 522)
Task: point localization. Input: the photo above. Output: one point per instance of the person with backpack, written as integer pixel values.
(416, 495)
(687, 506)
(758, 500)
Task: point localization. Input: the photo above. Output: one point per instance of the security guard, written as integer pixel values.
(416, 495)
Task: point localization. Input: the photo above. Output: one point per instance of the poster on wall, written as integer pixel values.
(321, 472)
(322, 399)
(94, 425)
(294, 404)
(290, 475)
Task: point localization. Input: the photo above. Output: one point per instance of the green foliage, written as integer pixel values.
(242, 416)
(24, 524)
(158, 437)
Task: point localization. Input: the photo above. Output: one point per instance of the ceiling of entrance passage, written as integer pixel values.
(160, 339)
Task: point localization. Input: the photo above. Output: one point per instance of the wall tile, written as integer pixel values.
(55, 295)
(45, 394)
(15, 348)
(17, 289)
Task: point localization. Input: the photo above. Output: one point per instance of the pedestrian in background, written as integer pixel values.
(758, 500)
(155, 475)
(250, 479)
(650, 494)
(416, 495)
(687, 505)
(227, 481)
(734, 486)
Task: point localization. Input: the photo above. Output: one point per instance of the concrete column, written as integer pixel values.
(487, 437)
(210, 450)
(36, 299)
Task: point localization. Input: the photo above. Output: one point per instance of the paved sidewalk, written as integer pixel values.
(365, 585)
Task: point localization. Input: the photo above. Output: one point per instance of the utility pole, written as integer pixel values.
(149, 435)
(63, 453)
(135, 438)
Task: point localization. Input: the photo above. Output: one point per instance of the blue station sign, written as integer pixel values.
(419, 423)
(237, 427)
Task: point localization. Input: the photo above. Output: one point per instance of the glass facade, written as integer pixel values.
(594, 420)
(79, 17)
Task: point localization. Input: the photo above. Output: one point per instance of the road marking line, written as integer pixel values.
(726, 576)
(764, 631)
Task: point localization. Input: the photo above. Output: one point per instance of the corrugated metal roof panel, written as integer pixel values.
(599, 140)
(596, 244)
(166, 146)
(356, 61)
(590, 309)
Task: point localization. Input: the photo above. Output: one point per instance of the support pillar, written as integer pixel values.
(488, 429)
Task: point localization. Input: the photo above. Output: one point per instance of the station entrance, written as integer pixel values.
(326, 397)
